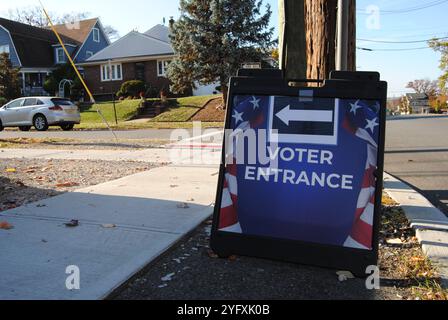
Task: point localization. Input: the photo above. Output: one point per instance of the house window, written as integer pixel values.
(162, 67)
(96, 35)
(111, 72)
(140, 71)
(4, 49)
(60, 55)
(89, 54)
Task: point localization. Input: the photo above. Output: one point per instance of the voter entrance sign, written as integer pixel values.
(301, 177)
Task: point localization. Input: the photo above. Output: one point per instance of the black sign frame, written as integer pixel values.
(343, 85)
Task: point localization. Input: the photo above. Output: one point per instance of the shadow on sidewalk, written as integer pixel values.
(14, 194)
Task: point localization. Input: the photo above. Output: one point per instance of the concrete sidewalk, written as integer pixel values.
(430, 223)
(145, 209)
(179, 154)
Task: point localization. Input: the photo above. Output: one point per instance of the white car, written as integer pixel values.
(40, 112)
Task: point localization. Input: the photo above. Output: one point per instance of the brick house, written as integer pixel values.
(136, 56)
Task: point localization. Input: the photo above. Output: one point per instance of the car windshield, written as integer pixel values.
(62, 102)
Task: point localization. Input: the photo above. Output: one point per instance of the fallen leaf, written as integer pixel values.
(168, 277)
(183, 206)
(109, 226)
(344, 275)
(417, 259)
(5, 225)
(233, 258)
(10, 170)
(67, 185)
(394, 241)
(72, 224)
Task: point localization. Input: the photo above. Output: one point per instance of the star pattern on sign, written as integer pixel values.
(255, 102)
(371, 124)
(377, 107)
(355, 106)
(238, 116)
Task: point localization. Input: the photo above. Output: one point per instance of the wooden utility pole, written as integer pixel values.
(310, 36)
(292, 38)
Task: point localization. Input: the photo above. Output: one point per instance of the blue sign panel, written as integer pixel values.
(319, 185)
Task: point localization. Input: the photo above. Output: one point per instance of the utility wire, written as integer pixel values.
(397, 42)
(401, 49)
(410, 9)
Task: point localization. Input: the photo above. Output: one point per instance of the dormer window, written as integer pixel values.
(96, 34)
(60, 55)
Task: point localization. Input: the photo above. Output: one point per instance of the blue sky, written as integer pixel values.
(396, 67)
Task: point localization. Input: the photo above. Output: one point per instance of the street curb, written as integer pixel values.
(430, 224)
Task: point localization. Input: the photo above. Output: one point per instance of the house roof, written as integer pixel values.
(160, 32)
(33, 44)
(417, 96)
(132, 45)
(78, 34)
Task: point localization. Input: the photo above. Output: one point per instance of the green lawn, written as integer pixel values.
(186, 108)
(125, 110)
(175, 117)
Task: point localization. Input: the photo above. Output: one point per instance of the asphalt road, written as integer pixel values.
(416, 150)
(417, 153)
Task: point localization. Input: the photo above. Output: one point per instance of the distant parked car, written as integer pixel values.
(40, 112)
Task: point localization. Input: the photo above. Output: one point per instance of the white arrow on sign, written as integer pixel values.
(287, 115)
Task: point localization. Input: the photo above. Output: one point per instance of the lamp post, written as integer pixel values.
(109, 71)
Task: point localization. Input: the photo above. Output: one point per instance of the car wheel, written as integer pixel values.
(67, 127)
(25, 128)
(1, 126)
(40, 123)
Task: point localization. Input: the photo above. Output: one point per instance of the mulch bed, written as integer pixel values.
(27, 181)
(212, 112)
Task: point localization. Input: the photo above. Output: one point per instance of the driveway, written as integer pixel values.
(417, 153)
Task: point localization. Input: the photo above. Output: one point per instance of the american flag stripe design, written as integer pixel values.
(361, 235)
(228, 218)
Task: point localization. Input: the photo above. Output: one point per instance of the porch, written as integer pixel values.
(32, 82)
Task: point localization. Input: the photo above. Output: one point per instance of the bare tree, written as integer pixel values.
(429, 87)
(111, 32)
(33, 16)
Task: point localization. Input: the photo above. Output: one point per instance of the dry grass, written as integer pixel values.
(405, 263)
